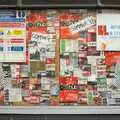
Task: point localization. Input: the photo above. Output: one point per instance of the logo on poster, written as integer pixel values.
(113, 31)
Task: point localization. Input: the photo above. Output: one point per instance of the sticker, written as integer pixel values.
(82, 97)
(15, 71)
(50, 67)
(83, 24)
(32, 99)
(16, 48)
(101, 84)
(15, 95)
(90, 97)
(23, 70)
(68, 80)
(38, 37)
(5, 76)
(15, 32)
(54, 91)
(45, 87)
(45, 80)
(68, 96)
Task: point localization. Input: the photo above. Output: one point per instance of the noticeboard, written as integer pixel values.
(62, 61)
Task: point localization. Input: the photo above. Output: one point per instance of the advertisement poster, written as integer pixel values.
(13, 36)
(108, 31)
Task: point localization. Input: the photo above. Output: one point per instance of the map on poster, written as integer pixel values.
(12, 36)
(108, 32)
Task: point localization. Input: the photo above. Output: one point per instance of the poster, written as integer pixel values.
(13, 36)
(108, 31)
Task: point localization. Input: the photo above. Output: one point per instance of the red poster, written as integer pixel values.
(66, 19)
(37, 22)
(112, 57)
(68, 96)
(68, 80)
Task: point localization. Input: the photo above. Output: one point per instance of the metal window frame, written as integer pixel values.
(99, 5)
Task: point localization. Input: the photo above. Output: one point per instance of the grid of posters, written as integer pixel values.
(55, 58)
(82, 68)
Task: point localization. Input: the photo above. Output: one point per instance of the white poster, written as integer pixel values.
(108, 31)
(13, 37)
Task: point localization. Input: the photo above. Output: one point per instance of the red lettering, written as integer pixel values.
(102, 30)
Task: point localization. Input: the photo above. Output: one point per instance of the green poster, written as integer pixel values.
(62, 46)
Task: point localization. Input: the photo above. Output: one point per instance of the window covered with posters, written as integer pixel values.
(59, 57)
